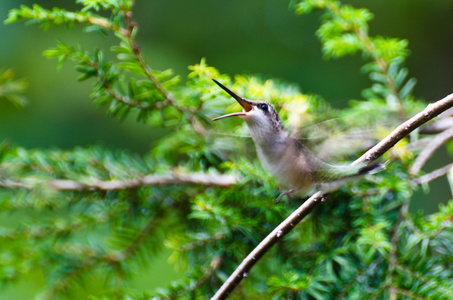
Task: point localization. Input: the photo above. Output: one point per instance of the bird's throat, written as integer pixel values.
(270, 144)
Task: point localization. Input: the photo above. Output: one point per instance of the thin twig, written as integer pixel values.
(202, 242)
(433, 175)
(393, 251)
(429, 150)
(214, 265)
(403, 213)
(298, 215)
(392, 293)
(148, 180)
(133, 248)
(168, 98)
(107, 24)
(408, 294)
(207, 272)
(359, 275)
(422, 277)
(121, 98)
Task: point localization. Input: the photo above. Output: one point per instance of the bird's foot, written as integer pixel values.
(284, 194)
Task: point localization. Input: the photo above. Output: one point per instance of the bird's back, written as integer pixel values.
(296, 167)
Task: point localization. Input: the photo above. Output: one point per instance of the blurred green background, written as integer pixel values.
(254, 36)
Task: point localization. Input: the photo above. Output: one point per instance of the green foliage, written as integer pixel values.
(362, 243)
(12, 89)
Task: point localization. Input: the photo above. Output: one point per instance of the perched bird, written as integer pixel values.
(289, 161)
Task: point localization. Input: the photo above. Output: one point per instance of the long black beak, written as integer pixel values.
(246, 105)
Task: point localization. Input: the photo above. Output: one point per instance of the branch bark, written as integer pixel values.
(148, 180)
(431, 111)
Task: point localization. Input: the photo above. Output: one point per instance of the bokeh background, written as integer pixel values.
(255, 36)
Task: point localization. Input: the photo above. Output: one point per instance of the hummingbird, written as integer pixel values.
(288, 159)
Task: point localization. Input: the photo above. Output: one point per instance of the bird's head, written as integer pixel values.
(261, 117)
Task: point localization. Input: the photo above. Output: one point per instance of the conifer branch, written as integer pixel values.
(429, 150)
(102, 22)
(69, 235)
(431, 111)
(168, 98)
(193, 245)
(135, 245)
(362, 272)
(208, 271)
(93, 257)
(369, 47)
(433, 175)
(408, 294)
(140, 59)
(395, 238)
(121, 98)
(174, 178)
(265, 245)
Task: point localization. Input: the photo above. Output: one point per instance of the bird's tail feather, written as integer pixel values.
(371, 169)
(327, 187)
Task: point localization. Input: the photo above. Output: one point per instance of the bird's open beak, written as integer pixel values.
(246, 105)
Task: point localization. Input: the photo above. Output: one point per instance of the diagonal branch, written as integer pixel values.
(431, 111)
(277, 234)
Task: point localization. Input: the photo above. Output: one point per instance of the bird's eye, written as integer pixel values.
(264, 106)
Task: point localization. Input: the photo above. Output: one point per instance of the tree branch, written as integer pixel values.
(433, 175)
(277, 234)
(409, 294)
(214, 265)
(429, 150)
(393, 260)
(148, 180)
(107, 25)
(168, 98)
(431, 111)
